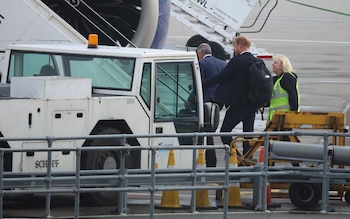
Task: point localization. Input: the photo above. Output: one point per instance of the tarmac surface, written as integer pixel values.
(139, 207)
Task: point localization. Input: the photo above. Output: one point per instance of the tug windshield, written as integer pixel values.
(105, 72)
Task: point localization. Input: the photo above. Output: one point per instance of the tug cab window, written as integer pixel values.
(176, 97)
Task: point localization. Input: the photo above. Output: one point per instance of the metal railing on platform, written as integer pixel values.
(152, 180)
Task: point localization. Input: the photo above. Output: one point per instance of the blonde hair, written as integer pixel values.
(286, 65)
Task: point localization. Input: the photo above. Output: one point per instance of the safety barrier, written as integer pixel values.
(153, 180)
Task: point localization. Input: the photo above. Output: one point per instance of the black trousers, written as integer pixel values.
(210, 154)
(234, 115)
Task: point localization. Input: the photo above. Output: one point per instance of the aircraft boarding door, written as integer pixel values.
(175, 107)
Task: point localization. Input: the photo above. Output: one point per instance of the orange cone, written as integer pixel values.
(202, 196)
(234, 190)
(262, 155)
(170, 198)
(268, 187)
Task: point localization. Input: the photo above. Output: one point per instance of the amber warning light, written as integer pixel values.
(93, 41)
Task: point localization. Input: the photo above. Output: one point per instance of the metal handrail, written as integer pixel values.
(158, 179)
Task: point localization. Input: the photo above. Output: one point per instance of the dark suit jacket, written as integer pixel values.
(209, 67)
(233, 81)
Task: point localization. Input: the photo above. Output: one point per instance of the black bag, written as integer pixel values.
(260, 84)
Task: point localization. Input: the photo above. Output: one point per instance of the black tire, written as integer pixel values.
(305, 195)
(218, 51)
(347, 197)
(216, 48)
(97, 160)
(195, 40)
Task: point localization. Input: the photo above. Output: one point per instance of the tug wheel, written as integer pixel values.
(347, 197)
(101, 160)
(305, 195)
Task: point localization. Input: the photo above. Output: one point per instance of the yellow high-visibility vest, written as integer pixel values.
(279, 100)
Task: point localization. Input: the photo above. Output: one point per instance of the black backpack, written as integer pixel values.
(260, 84)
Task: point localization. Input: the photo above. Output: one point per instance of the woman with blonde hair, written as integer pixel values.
(285, 94)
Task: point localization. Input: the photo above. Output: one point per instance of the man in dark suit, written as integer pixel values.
(233, 90)
(209, 67)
